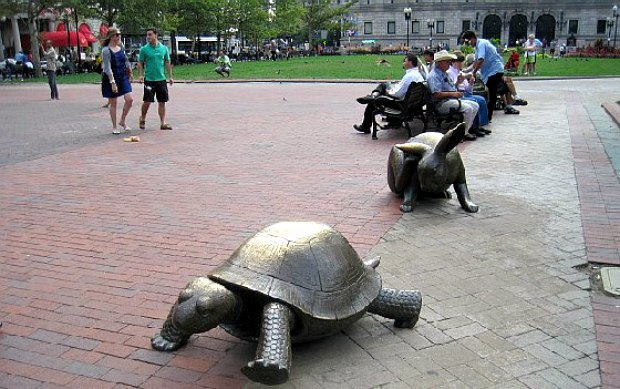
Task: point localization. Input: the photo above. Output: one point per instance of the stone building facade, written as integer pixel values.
(432, 23)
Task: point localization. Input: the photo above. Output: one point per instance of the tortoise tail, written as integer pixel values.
(401, 305)
(169, 338)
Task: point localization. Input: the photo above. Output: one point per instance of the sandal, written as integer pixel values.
(165, 126)
(511, 111)
(142, 123)
(519, 102)
(116, 132)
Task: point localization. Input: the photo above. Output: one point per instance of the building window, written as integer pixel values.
(367, 27)
(601, 25)
(439, 27)
(391, 28)
(466, 25)
(415, 27)
(573, 26)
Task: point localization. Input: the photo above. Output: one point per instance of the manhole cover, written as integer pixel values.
(611, 280)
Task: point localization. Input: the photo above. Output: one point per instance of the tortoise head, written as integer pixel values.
(202, 305)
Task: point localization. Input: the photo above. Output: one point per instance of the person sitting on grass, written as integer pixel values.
(512, 65)
(412, 74)
(223, 63)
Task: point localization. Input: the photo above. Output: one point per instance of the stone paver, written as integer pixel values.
(99, 236)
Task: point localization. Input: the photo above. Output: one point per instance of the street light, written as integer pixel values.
(610, 24)
(430, 23)
(407, 12)
(616, 14)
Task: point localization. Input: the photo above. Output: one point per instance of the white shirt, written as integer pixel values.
(400, 89)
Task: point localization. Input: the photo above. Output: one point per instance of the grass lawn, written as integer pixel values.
(354, 67)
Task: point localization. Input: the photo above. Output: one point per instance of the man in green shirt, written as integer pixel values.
(153, 58)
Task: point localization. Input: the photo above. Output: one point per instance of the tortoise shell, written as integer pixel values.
(309, 266)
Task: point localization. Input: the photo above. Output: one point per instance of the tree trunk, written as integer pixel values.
(34, 39)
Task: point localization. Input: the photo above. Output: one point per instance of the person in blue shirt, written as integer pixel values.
(491, 67)
(445, 95)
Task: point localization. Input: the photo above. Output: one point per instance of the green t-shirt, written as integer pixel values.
(154, 59)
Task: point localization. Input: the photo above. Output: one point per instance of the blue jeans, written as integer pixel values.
(482, 119)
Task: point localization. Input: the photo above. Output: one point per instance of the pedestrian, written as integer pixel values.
(50, 57)
(154, 58)
(491, 66)
(530, 50)
(116, 77)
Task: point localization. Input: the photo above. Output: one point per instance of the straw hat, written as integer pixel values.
(111, 32)
(443, 55)
(460, 57)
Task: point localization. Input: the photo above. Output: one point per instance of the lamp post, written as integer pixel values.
(407, 12)
(430, 23)
(616, 14)
(610, 24)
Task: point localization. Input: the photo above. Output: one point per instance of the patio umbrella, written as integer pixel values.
(59, 38)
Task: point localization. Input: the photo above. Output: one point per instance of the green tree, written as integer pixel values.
(32, 9)
(321, 15)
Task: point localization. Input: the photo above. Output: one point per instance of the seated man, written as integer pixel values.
(410, 64)
(509, 90)
(223, 64)
(465, 83)
(445, 96)
(427, 66)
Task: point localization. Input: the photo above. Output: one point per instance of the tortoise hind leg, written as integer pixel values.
(272, 363)
(401, 305)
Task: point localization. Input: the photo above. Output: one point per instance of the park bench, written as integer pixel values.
(401, 111)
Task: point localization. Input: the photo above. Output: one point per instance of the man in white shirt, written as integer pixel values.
(412, 74)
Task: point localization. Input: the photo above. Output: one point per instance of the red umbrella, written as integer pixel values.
(59, 38)
(103, 30)
(85, 29)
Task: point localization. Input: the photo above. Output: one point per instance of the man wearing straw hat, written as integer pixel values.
(445, 95)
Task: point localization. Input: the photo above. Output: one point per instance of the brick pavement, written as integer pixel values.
(99, 236)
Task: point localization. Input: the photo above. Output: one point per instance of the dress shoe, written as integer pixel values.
(361, 128)
(487, 132)
(365, 99)
(475, 131)
(469, 137)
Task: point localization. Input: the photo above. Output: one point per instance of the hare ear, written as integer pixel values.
(451, 139)
(413, 148)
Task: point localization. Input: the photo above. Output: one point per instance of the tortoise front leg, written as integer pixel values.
(169, 338)
(273, 354)
(401, 305)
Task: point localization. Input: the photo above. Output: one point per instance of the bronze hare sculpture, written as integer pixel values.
(427, 165)
(291, 282)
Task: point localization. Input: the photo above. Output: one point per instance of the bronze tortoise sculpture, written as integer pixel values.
(426, 165)
(291, 282)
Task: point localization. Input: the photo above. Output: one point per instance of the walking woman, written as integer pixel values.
(116, 77)
(49, 55)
